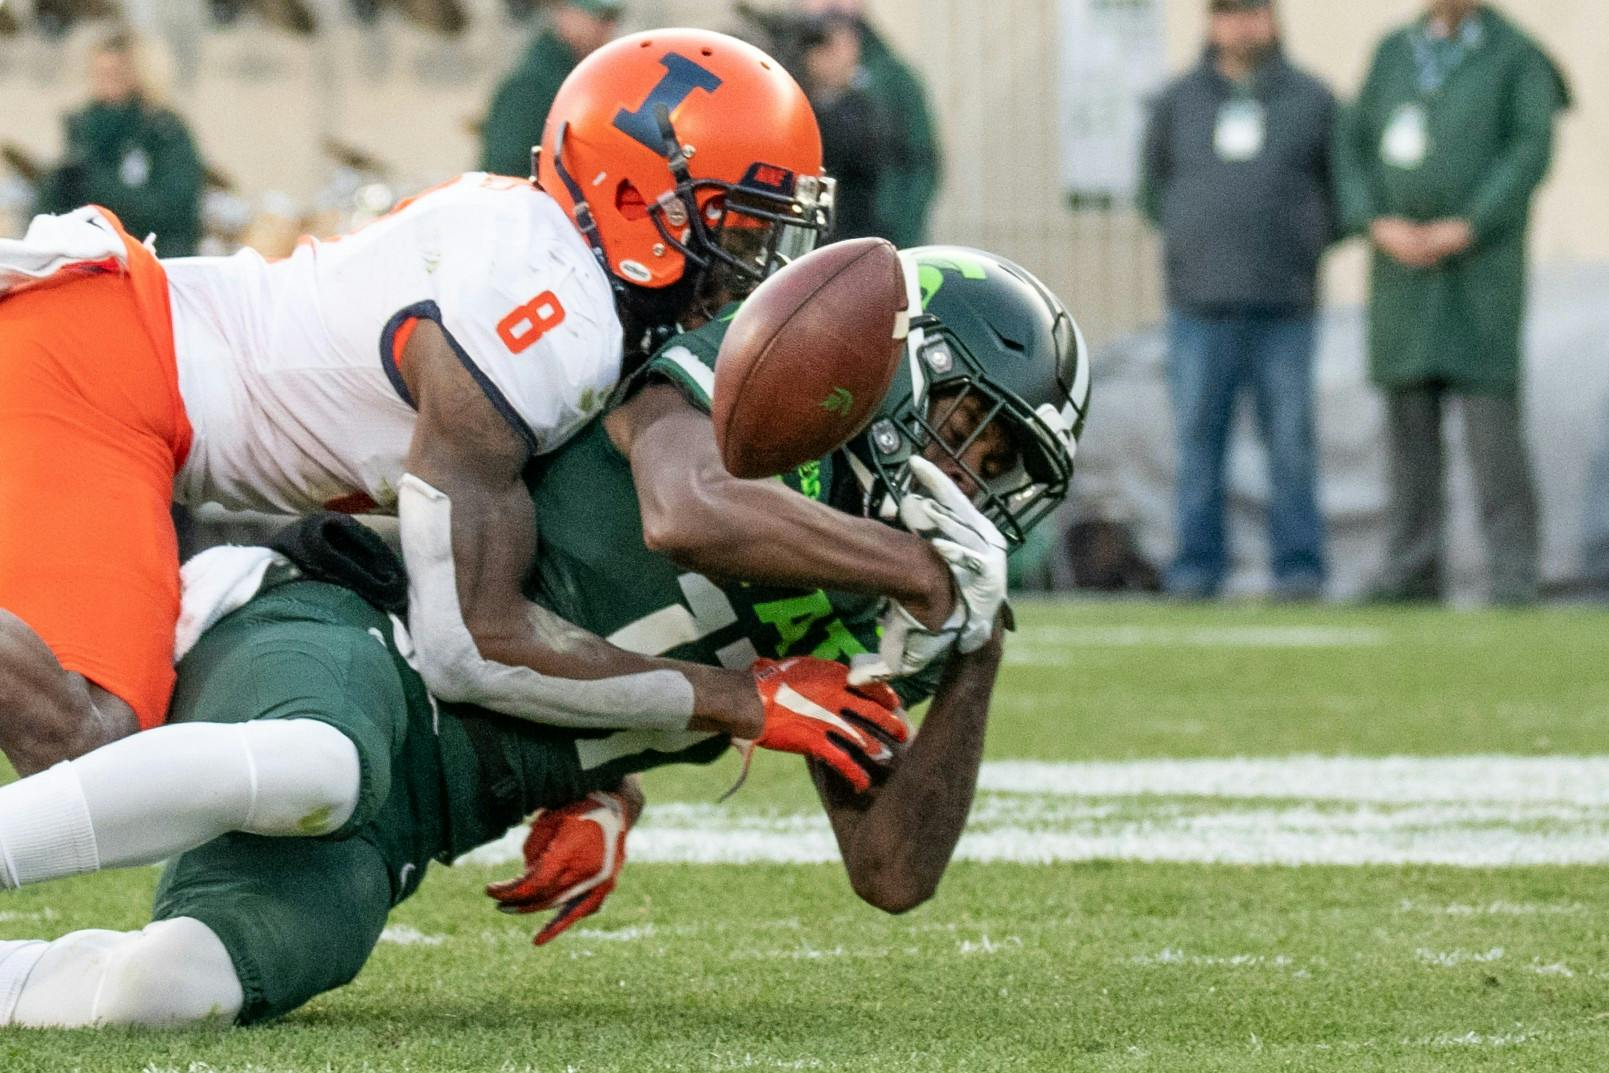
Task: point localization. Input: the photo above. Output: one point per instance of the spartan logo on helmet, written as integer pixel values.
(992, 350)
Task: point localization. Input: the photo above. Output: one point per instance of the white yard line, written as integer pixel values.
(1448, 959)
(1249, 838)
(403, 935)
(1293, 636)
(618, 935)
(1474, 811)
(1475, 1039)
(1578, 780)
(1495, 909)
(1170, 955)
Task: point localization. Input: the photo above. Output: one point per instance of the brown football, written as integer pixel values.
(809, 357)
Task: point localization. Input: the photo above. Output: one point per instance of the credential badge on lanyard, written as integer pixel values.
(135, 168)
(1406, 141)
(1242, 130)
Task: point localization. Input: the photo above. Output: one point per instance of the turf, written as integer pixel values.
(1084, 965)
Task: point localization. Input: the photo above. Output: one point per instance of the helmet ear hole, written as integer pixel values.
(629, 202)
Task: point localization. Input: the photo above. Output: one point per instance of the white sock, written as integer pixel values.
(45, 828)
(17, 959)
(170, 973)
(147, 797)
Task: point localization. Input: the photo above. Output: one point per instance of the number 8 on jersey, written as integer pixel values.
(527, 323)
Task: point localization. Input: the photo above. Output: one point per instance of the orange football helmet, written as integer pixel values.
(681, 152)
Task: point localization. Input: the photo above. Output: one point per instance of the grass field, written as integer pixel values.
(1406, 868)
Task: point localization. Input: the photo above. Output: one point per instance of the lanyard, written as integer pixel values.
(1438, 57)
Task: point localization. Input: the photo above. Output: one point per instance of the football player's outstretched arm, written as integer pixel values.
(702, 518)
(897, 839)
(469, 536)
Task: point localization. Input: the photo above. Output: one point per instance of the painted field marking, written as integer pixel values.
(1575, 780)
(1467, 811)
(405, 935)
(1292, 636)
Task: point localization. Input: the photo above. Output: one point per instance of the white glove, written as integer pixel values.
(906, 646)
(967, 541)
(976, 554)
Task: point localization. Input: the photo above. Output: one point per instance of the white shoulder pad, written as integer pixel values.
(528, 309)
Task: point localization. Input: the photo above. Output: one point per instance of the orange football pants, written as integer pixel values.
(92, 432)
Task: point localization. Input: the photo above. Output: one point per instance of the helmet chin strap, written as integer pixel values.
(585, 222)
(885, 509)
(863, 474)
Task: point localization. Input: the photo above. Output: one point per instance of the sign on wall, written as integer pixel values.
(1113, 56)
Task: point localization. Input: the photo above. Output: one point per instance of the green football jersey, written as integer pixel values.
(593, 569)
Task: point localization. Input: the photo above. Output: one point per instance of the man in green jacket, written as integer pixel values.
(1437, 162)
(126, 152)
(909, 181)
(520, 108)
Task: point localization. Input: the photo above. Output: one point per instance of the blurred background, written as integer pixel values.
(315, 115)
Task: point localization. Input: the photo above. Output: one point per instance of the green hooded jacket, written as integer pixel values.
(140, 162)
(520, 108)
(1475, 148)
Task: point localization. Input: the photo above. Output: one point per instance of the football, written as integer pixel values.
(809, 357)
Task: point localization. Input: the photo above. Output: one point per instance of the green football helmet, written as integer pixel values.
(988, 329)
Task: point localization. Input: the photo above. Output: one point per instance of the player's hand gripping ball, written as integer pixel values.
(809, 357)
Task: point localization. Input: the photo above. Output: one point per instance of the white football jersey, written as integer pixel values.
(289, 369)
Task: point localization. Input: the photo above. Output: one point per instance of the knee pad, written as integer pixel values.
(172, 973)
(173, 788)
(305, 777)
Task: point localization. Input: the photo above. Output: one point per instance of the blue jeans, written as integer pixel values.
(1210, 356)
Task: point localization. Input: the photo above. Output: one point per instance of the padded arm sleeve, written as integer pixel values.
(453, 668)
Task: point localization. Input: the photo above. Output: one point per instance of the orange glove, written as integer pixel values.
(811, 709)
(572, 857)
